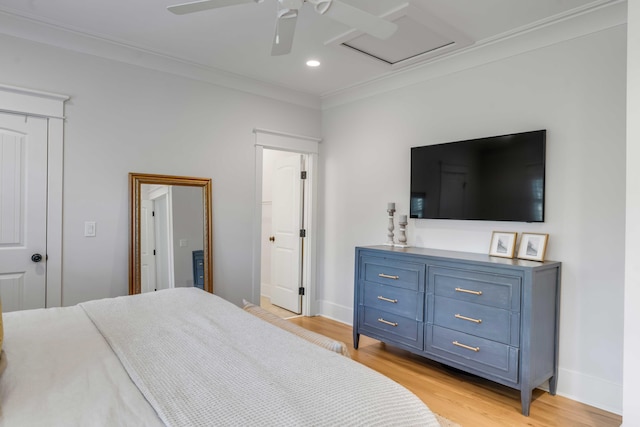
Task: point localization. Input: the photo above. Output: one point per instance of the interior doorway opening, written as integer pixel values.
(283, 232)
(284, 223)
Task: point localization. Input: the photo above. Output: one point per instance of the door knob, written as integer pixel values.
(272, 238)
(36, 257)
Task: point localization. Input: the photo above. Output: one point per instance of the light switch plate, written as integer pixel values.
(90, 229)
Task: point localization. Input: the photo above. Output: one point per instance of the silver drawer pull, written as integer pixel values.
(381, 298)
(470, 319)
(386, 322)
(467, 291)
(386, 276)
(476, 349)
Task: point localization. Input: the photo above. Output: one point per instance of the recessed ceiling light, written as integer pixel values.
(313, 63)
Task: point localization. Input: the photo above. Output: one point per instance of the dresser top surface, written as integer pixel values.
(464, 256)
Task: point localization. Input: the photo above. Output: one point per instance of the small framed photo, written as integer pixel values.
(533, 246)
(503, 244)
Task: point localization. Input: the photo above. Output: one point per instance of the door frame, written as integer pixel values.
(164, 192)
(283, 141)
(27, 102)
(147, 233)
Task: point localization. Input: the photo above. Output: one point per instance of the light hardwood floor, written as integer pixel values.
(466, 399)
(278, 311)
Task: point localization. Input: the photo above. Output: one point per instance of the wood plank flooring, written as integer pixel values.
(466, 399)
(278, 311)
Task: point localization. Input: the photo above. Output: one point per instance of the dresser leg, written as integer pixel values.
(356, 340)
(525, 396)
(553, 385)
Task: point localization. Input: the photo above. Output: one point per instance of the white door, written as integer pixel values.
(286, 225)
(147, 247)
(23, 211)
(164, 240)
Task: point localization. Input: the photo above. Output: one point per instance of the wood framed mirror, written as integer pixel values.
(170, 241)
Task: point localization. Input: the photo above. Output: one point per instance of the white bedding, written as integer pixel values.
(61, 372)
(196, 358)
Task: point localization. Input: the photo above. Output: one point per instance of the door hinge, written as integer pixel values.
(153, 213)
(303, 233)
(300, 290)
(154, 251)
(303, 175)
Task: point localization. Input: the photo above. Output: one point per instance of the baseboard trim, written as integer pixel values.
(339, 313)
(265, 290)
(590, 390)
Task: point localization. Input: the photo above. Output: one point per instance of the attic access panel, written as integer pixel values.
(411, 39)
(421, 35)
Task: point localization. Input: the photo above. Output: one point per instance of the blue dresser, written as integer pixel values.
(493, 317)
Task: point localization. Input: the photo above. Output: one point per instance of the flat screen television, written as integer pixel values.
(500, 178)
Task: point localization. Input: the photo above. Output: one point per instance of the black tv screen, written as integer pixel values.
(500, 178)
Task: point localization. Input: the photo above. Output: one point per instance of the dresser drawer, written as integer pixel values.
(478, 287)
(391, 326)
(485, 356)
(391, 272)
(483, 321)
(394, 300)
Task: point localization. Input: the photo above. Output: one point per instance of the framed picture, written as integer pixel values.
(533, 246)
(503, 243)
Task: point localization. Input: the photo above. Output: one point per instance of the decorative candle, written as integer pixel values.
(391, 206)
(403, 218)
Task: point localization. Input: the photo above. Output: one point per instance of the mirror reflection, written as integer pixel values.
(170, 233)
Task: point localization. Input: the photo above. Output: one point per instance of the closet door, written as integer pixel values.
(23, 211)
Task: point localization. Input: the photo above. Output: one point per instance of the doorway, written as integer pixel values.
(284, 227)
(156, 238)
(31, 212)
(283, 188)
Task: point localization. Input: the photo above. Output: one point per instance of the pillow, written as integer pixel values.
(313, 337)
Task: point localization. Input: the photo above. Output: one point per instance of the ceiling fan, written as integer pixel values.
(288, 14)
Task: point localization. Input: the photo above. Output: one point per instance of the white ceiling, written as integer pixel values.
(238, 39)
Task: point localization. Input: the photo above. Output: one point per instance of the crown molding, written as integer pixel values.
(597, 17)
(37, 31)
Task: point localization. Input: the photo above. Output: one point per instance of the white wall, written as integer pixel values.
(188, 228)
(631, 409)
(122, 118)
(574, 89)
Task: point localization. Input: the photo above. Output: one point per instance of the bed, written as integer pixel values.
(184, 357)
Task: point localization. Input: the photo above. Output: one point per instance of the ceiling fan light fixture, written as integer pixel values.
(287, 13)
(321, 6)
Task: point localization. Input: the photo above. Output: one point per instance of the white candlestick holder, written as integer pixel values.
(390, 228)
(402, 236)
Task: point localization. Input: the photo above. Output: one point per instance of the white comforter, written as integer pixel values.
(195, 359)
(61, 372)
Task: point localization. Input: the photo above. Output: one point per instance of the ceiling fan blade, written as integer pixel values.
(285, 30)
(197, 6)
(361, 20)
